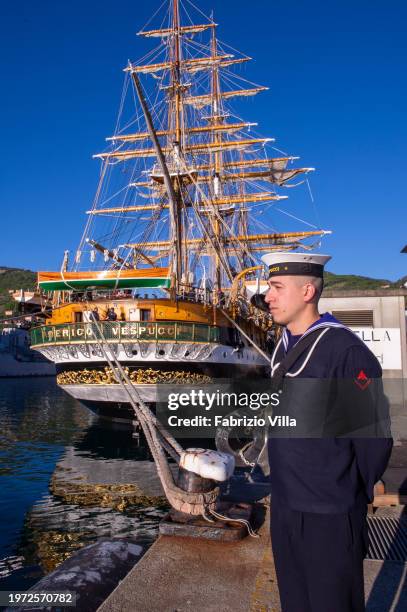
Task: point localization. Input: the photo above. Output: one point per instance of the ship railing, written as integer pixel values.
(124, 331)
(197, 295)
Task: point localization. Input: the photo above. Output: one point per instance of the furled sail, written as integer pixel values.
(205, 147)
(163, 33)
(201, 101)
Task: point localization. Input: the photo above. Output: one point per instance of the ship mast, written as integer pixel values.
(210, 173)
(216, 119)
(175, 93)
(176, 72)
(172, 196)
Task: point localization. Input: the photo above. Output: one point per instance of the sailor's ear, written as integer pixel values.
(309, 292)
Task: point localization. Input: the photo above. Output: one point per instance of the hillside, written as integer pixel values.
(352, 281)
(16, 278)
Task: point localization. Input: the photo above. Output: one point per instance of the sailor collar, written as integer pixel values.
(324, 326)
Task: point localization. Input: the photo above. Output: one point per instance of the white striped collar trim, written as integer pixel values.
(313, 328)
(275, 354)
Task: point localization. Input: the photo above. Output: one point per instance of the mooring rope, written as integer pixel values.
(197, 504)
(229, 519)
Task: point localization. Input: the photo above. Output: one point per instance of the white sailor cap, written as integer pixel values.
(281, 263)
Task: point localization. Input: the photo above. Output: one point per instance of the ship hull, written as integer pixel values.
(91, 382)
(111, 400)
(152, 354)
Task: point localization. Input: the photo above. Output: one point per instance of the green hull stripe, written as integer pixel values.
(109, 283)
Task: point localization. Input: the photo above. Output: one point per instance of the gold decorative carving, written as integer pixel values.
(138, 376)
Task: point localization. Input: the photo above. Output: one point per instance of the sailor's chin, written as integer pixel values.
(277, 317)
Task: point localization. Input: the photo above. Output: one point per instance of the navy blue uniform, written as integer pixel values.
(321, 487)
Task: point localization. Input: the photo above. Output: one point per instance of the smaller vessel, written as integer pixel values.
(17, 358)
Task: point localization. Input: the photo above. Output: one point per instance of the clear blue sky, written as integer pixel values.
(337, 76)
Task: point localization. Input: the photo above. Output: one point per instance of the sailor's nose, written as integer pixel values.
(268, 298)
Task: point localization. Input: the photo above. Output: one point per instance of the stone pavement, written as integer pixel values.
(385, 586)
(191, 575)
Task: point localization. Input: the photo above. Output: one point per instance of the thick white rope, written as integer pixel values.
(229, 519)
(183, 501)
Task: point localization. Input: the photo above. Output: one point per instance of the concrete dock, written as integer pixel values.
(185, 574)
(190, 575)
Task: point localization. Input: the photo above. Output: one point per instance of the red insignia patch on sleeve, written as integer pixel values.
(362, 381)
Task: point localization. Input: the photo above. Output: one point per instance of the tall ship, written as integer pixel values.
(188, 200)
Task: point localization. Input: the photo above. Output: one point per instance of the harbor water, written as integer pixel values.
(67, 479)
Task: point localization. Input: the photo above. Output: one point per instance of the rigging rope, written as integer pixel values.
(252, 342)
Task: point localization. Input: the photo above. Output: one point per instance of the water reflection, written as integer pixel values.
(67, 479)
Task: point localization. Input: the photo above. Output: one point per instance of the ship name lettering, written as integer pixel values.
(162, 331)
(149, 330)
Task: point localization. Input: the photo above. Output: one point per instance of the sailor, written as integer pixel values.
(320, 485)
(111, 315)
